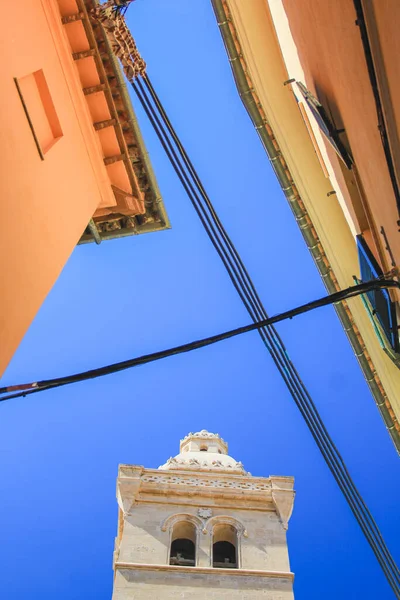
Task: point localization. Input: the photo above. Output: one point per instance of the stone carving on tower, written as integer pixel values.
(202, 527)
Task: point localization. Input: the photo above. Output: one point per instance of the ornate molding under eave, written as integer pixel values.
(203, 465)
(135, 482)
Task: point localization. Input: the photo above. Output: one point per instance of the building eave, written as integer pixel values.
(132, 147)
(135, 484)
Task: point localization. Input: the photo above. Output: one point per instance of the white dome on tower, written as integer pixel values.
(204, 451)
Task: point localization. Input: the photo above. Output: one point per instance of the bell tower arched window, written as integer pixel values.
(224, 549)
(183, 545)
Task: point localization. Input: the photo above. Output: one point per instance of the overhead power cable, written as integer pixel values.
(134, 65)
(40, 386)
(247, 292)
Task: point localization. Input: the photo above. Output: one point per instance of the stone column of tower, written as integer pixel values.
(201, 527)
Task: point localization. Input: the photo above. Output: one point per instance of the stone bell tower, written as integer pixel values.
(201, 527)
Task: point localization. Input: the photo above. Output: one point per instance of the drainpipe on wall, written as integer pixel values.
(302, 217)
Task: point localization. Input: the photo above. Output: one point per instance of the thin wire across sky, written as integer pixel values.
(245, 287)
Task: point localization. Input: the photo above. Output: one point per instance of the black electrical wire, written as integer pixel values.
(120, 7)
(257, 299)
(288, 371)
(351, 292)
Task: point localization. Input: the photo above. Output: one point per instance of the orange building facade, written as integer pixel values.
(74, 166)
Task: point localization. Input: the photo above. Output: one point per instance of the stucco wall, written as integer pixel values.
(383, 18)
(44, 204)
(263, 548)
(171, 585)
(267, 71)
(331, 53)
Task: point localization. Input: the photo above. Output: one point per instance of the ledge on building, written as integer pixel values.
(205, 570)
(151, 216)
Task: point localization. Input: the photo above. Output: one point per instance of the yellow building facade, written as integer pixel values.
(269, 75)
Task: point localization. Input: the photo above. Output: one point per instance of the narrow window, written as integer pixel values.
(39, 110)
(383, 307)
(225, 547)
(183, 545)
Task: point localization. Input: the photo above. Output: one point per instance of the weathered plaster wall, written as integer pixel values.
(143, 540)
(268, 72)
(331, 53)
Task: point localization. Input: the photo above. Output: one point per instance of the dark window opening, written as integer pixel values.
(383, 308)
(224, 555)
(183, 553)
(203, 449)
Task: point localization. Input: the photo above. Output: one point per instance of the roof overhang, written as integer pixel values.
(138, 207)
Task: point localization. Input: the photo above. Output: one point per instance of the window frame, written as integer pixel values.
(240, 532)
(172, 522)
(325, 125)
(366, 258)
(204, 527)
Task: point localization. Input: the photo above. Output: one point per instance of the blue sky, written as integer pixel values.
(60, 449)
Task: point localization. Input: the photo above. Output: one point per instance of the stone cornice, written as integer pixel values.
(135, 483)
(205, 570)
(128, 472)
(199, 479)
